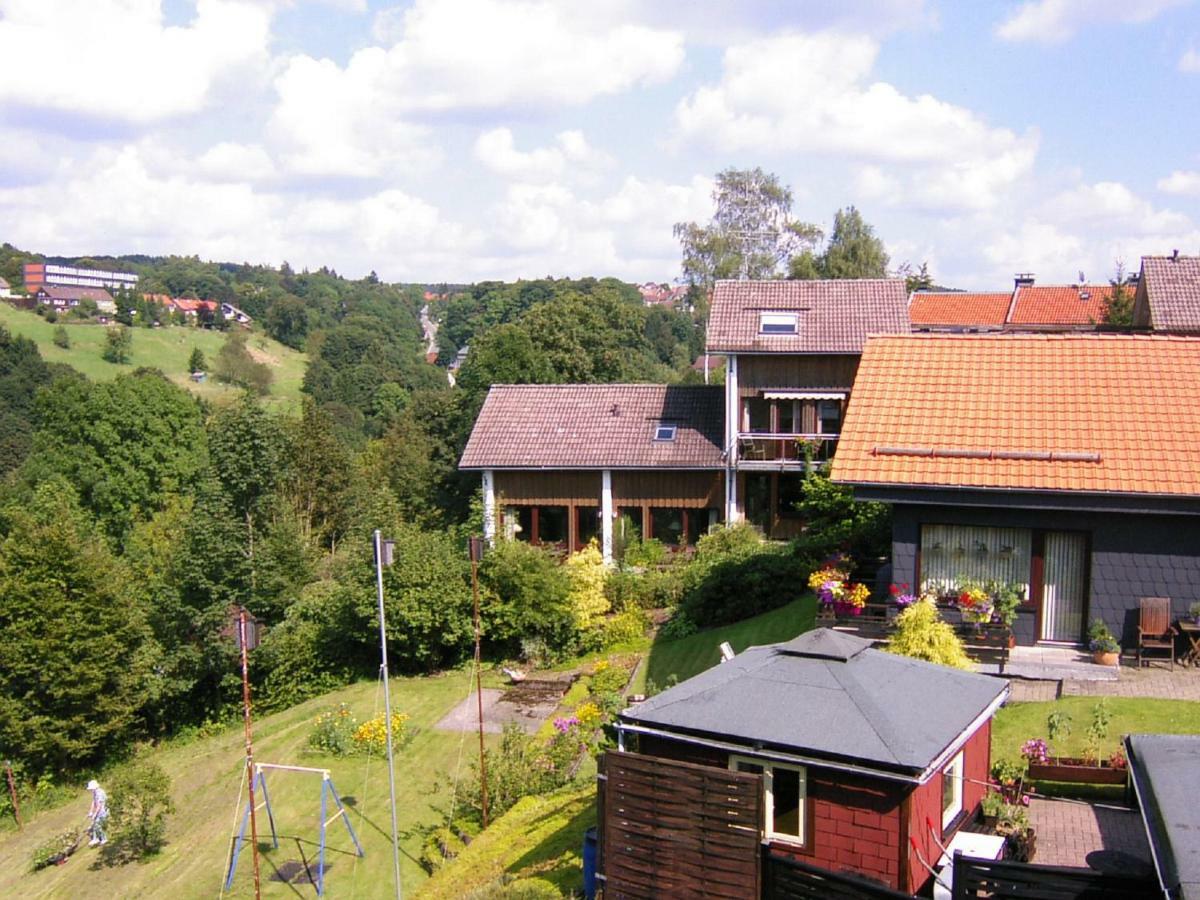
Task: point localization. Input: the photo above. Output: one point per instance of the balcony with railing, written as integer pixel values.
(783, 451)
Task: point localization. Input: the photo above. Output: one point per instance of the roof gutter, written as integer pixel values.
(1000, 491)
(781, 756)
(965, 735)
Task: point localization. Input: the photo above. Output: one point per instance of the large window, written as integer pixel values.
(587, 525)
(666, 524)
(950, 553)
(952, 790)
(786, 791)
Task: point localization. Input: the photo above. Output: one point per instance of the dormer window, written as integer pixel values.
(777, 322)
(664, 433)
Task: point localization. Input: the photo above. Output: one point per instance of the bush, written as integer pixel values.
(608, 679)
(652, 589)
(139, 801)
(118, 342)
(528, 597)
(643, 554)
(517, 768)
(517, 889)
(586, 573)
(59, 846)
(61, 338)
(735, 575)
(333, 732)
(677, 627)
(921, 634)
(623, 628)
(235, 365)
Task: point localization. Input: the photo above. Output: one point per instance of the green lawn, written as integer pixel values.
(166, 348)
(691, 655)
(206, 775)
(1018, 722)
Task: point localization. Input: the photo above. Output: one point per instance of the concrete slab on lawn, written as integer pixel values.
(498, 712)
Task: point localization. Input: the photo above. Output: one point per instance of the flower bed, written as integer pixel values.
(1076, 770)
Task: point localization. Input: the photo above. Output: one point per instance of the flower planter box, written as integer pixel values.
(1075, 771)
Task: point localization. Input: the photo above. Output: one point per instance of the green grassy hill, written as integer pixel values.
(165, 348)
(206, 775)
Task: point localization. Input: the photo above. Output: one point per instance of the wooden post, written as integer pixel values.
(249, 750)
(12, 791)
(476, 551)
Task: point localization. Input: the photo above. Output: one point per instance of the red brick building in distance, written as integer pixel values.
(869, 762)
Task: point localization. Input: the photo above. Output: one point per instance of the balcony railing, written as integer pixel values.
(784, 449)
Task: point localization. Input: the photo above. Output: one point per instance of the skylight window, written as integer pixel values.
(777, 323)
(664, 433)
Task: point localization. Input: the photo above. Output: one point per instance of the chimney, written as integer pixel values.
(1023, 279)
(1175, 255)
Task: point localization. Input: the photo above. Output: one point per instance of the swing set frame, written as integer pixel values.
(327, 791)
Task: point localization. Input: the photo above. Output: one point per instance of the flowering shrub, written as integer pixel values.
(588, 715)
(902, 596)
(371, 736)
(1035, 750)
(333, 732)
(563, 724)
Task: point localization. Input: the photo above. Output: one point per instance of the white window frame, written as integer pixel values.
(778, 322)
(954, 771)
(665, 433)
(768, 774)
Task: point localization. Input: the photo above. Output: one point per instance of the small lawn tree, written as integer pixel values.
(61, 338)
(139, 803)
(921, 634)
(118, 342)
(197, 362)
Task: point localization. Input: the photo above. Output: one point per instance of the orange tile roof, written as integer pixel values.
(952, 403)
(1061, 304)
(958, 308)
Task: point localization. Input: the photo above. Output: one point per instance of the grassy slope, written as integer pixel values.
(166, 348)
(692, 655)
(540, 837)
(1018, 722)
(206, 775)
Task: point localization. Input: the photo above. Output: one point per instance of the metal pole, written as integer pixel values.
(387, 706)
(249, 751)
(476, 549)
(12, 790)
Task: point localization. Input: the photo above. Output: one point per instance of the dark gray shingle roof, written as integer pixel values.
(828, 694)
(1165, 770)
(563, 426)
(835, 316)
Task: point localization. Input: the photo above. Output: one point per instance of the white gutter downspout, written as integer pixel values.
(489, 506)
(606, 516)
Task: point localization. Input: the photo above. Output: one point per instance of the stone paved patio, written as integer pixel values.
(1155, 681)
(1069, 830)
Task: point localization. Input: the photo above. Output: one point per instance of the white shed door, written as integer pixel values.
(1064, 577)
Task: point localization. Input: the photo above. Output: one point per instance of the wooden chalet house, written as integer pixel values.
(564, 463)
(1068, 464)
(792, 350)
(819, 750)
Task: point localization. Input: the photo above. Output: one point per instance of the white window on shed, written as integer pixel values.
(777, 322)
(785, 789)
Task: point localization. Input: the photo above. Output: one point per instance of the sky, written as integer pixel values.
(461, 140)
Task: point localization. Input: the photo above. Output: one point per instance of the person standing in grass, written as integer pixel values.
(98, 814)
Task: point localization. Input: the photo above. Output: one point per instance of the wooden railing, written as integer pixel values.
(782, 447)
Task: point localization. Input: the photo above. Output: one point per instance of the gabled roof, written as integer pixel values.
(1070, 304)
(834, 316)
(596, 426)
(1113, 414)
(829, 695)
(958, 308)
(66, 292)
(1164, 768)
(1172, 289)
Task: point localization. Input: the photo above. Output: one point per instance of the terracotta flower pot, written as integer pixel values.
(1106, 657)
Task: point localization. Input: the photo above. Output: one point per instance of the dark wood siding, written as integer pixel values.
(758, 372)
(553, 488)
(692, 490)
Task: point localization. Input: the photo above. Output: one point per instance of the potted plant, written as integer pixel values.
(1019, 837)
(1006, 600)
(1194, 612)
(1009, 776)
(990, 808)
(1103, 644)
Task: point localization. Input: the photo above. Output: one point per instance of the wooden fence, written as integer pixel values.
(1003, 880)
(672, 829)
(785, 878)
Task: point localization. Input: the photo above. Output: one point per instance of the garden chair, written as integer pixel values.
(1155, 631)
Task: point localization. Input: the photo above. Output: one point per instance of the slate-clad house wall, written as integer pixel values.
(1132, 556)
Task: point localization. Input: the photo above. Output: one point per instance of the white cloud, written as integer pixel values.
(1181, 182)
(1190, 61)
(1054, 21)
(812, 93)
(497, 150)
(115, 60)
(1116, 209)
(229, 161)
(457, 59)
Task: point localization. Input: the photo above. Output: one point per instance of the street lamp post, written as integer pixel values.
(383, 557)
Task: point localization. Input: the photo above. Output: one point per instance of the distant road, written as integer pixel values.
(429, 328)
